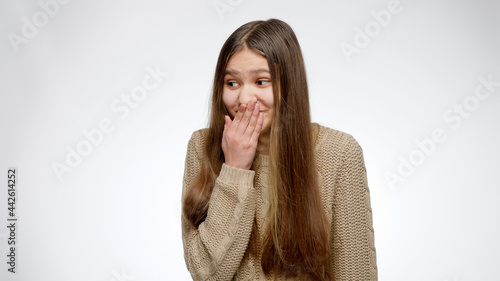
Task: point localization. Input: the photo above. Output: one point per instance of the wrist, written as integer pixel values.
(236, 176)
(237, 165)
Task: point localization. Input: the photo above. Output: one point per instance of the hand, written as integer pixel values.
(241, 136)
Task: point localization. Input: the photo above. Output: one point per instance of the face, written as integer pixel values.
(248, 79)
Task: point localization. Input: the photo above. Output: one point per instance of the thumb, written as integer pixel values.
(227, 121)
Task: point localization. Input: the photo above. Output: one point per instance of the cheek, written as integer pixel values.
(269, 99)
(229, 102)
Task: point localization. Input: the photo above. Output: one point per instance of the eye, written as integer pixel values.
(232, 84)
(262, 82)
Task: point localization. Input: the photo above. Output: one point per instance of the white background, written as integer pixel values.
(116, 214)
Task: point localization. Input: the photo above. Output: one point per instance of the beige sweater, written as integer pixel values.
(216, 250)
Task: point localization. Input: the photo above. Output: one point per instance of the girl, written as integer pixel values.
(268, 195)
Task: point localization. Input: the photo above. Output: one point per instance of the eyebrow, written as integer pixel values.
(253, 71)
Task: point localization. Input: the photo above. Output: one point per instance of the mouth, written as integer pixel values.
(260, 111)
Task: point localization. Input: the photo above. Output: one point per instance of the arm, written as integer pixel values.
(353, 241)
(214, 250)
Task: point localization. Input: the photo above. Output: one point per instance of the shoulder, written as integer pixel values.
(199, 136)
(197, 142)
(332, 141)
(336, 152)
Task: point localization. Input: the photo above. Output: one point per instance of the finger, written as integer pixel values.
(253, 121)
(239, 114)
(246, 118)
(258, 128)
(227, 122)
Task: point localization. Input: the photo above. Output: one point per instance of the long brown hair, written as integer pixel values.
(296, 241)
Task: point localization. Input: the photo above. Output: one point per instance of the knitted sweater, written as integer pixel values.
(216, 249)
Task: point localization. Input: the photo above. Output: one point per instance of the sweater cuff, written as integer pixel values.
(236, 176)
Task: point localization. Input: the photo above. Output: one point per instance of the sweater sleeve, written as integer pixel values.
(214, 250)
(354, 246)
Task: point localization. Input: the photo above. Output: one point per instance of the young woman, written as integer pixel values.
(268, 195)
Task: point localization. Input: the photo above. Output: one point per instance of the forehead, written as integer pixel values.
(246, 61)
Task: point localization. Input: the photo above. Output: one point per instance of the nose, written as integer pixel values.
(247, 94)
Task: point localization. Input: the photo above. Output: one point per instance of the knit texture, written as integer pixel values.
(217, 249)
